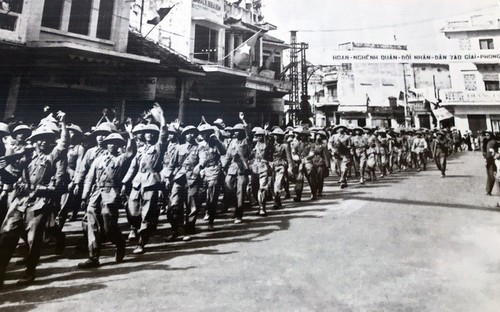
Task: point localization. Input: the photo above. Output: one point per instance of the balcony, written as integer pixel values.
(478, 22)
(237, 13)
(454, 97)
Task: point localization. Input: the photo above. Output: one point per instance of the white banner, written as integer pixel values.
(402, 56)
(441, 113)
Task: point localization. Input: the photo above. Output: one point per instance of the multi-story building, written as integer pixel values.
(70, 55)
(474, 97)
(368, 94)
(214, 34)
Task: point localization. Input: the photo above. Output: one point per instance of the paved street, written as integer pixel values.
(408, 242)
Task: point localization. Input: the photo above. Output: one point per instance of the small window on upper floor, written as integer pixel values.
(492, 86)
(486, 44)
(104, 22)
(205, 43)
(52, 11)
(79, 19)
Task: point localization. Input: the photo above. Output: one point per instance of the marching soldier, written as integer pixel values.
(282, 165)
(341, 143)
(321, 164)
(237, 167)
(419, 147)
(440, 152)
(262, 156)
(102, 190)
(186, 179)
(144, 173)
(359, 145)
(211, 151)
(33, 202)
(384, 147)
(302, 152)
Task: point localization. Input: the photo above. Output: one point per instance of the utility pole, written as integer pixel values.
(294, 75)
(406, 96)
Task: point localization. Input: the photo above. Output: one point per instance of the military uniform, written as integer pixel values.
(144, 173)
(302, 152)
(262, 156)
(211, 173)
(419, 147)
(320, 168)
(236, 166)
(440, 153)
(359, 145)
(282, 159)
(185, 188)
(30, 209)
(102, 188)
(341, 143)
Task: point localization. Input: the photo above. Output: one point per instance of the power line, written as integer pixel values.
(427, 20)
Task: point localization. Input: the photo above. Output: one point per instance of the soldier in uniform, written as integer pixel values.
(10, 174)
(359, 145)
(282, 163)
(33, 202)
(440, 152)
(236, 166)
(102, 190)
(383, 146)
(144, 173)
(100, 133)
(165, 173)
(262, 156)
(419, 147)
(302, 152)
(341, 143)
(211, 151)
(185, 169)
(321, 164)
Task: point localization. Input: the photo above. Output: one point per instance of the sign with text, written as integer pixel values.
(402, 56)
(212, 10)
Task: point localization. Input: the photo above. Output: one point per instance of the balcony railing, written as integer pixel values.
(238, 13)
(470, 97)
(475, 22)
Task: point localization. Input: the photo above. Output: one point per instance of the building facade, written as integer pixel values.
(69, 55)
(219, 33)
(474, 96)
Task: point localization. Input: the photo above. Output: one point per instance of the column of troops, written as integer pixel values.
(50, 172)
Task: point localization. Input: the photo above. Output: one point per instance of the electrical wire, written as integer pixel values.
(427, 20)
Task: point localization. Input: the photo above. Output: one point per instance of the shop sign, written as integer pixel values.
(166, 87)
(212, 10)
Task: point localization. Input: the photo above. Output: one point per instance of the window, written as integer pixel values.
(105, 19)
(486, 44)
(52, 11)
(492, 86)
(79, 18)
(12, 5)
(205, 43)
(470, 82)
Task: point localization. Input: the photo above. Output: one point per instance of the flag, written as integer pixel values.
(243, 54)
(368, 101)
(439, 112)
(157, 15)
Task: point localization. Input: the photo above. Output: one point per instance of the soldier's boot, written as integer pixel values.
(277, 201)
(298, 197)
(89, 263)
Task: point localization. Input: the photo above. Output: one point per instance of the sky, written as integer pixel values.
(326, 23)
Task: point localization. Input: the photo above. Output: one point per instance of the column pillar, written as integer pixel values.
(230, 48)
(10, 107)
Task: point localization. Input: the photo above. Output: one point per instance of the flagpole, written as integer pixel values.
(142, 14)
(225, 57)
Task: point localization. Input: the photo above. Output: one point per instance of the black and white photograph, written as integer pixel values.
(250, 155)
